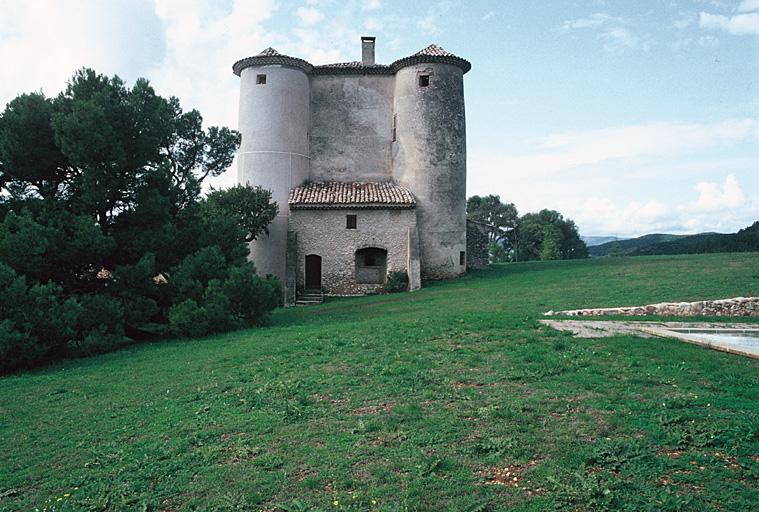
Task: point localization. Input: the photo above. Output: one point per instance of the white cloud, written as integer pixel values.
(713, 197)
(610, 31)
(740, 24)
(718, 207)
(748, 6)
(581, 148)
(309, 16)
(372, 5)
(488, 15)
(42, 43)
(617, 38)
(594, 20)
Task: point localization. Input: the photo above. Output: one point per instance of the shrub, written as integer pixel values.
(251, 297)
(17, 349)
(188, 319)
(397, 282)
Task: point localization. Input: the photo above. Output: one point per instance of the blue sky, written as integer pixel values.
(629, 117)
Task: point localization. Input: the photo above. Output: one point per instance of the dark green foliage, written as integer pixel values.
(251, 297)
(548, 235)
(626, 247)
(29, 157)
(745, 240)
(251, 206)
(104, 235)
(38, 320)
(396, 282)
(187, 318)
(502, 218)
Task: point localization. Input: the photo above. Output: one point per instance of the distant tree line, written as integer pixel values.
(104, 234)
(545, 235)
(745, 240)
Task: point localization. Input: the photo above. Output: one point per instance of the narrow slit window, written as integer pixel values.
(395, 124)
(260, 79)
(350, 222)
(462, 257)
(424, 80)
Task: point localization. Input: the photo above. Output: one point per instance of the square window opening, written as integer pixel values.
(350, 222)
(424, 80)
(462, 257)
(260, 79)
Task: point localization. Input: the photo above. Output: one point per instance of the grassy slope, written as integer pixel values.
(407, 402)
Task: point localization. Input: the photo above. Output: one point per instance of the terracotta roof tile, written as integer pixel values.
(435, 51)
(269, 52)
(338, 195)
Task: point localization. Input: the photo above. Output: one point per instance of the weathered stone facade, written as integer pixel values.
(477, 245)
(323, 233)
(738, 306)
(364, 124)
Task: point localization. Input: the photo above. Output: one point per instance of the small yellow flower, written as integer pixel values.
(354, 497)
(374, 502)
(336, 503)
(66, 495)
(58, 499)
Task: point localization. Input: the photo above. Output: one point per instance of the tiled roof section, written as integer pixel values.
(353, 67)
(268, 57)
(269, 52)
(433, 54)
(338, 195)
(435, 51)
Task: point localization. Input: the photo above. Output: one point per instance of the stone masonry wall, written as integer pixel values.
(323, 232)
(738, 306)
(477, 253)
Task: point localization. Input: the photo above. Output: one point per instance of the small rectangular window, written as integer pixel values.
(424, 80)
(261, 79)
(395, 124)
(350, 222)
(462, 258)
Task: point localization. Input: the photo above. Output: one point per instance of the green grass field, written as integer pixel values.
(450, 398)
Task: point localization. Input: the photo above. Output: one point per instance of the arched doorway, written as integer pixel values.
(313, 272)
(371, 265)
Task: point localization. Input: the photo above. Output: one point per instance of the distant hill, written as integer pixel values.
(590, 241)
(745, 240)
(631, 245)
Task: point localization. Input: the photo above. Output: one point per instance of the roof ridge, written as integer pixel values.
(268, 52)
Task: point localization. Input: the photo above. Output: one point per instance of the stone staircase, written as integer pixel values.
(309, 297)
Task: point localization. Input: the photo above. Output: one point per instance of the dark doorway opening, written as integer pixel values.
(313, 272)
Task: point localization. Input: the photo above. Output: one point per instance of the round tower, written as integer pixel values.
(429, 154)
(274, 121)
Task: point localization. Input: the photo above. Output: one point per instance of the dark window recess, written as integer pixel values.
(424, 80)
(462, 258)
(350, 222)
(260, 79)
(371, 265)
(395, 125)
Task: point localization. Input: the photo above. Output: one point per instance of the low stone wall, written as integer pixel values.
(738, 306)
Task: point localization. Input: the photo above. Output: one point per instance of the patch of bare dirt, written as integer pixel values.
(373, 409)
(510, 476)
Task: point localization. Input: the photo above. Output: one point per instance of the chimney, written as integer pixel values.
(367, 50)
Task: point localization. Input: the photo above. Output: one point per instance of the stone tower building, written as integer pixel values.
(367, 163)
